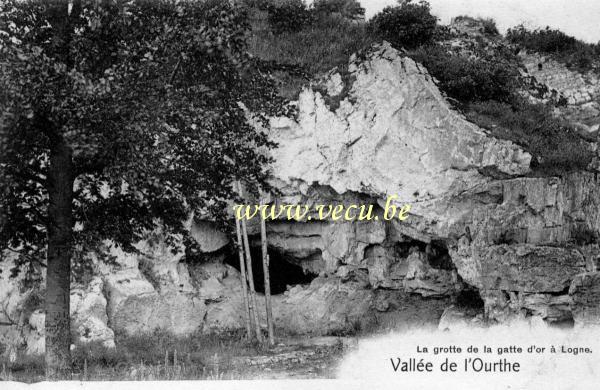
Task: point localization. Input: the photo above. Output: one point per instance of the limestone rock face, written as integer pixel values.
(326, 306)
(89, 318)
(35, 334)
(455, 318)
(208, 237)
(384, 268)
(527, 244)
(520, 240)
(178, 313)
(395, 134)
(552, 308)
(585, 293)
(422, 278)
(579, 92)
(522, 267)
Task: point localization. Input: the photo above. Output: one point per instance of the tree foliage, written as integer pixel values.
(407, 25)
(478, 76)
(147, 95)
(131, 113)
(349, 9)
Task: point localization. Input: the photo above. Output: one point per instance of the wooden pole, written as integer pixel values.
(251, 280)
(243, 278)
(265, 259)
(250, 277)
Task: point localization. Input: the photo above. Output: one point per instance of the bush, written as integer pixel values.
(564, 48)
(543, 41)
(469, 78)
(291, 15)
(554, 145)
(407, 25)
(489, 27)
(349, 9)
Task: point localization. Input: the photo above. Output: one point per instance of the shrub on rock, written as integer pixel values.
(407, 25)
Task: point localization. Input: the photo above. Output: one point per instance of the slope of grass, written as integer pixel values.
(572, 52)
(312, 51)
(554, 145)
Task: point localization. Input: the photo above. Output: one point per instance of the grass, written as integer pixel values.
(554, 145)
(158, 355)
(314, 50)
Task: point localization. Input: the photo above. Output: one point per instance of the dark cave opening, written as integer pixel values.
(282, 272)
(469, 298)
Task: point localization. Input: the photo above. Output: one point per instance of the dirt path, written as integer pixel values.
(298, 359)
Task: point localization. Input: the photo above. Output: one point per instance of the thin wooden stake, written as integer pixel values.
(251, 280)
(243, 279)
(250, 277)
(265, 261)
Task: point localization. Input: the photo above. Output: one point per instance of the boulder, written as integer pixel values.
(585, 295)
(422, 278)
(551, 308)
(178, 313)
(520, 267)
(208, 237)
(385, 268)
(457, 318)
(89, 318)
(325, 307)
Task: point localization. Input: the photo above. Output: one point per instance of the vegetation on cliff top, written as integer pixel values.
(482, 79)
(572, 52)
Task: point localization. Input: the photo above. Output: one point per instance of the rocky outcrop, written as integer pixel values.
(520, 241)
(575, 87)
(521, 267)
(423, 279)
(585, 293)
(89, 314)
(576, 94)
(393, 134)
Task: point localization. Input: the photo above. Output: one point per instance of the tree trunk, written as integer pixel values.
(60, 241)
(243, 279)
(265, 258)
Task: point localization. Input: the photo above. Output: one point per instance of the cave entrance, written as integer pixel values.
(469, 298)
(283, 273)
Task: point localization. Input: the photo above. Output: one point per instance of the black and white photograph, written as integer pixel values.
(345, 194)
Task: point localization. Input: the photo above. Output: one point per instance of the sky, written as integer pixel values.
(579, 18)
